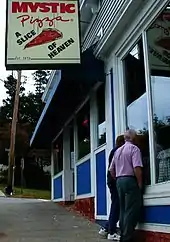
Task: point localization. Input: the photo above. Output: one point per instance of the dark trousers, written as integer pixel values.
(130, 205)
(114, 212)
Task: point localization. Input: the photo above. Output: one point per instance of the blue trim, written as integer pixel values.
(101, 200)
(112, 106)
(152, 215)
(157, 214)
(58, 187)
(56, 83)
(84, 178)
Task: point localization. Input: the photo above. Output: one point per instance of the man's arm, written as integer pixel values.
(111, 155)
(112, 169)
(138, 173)
(137, 166)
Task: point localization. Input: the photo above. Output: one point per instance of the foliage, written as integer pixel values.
(41, 79)
(32, 193)
(28, 193)
(3, 173)
(30, 108)
(7, 108)
(157, 125)
(30, 105)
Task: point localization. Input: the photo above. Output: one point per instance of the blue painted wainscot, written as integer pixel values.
(152, 215)
(84, 178)
(157, 214)
(58, 187)
(101, 183)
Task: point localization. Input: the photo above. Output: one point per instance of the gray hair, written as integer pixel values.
(129, 135)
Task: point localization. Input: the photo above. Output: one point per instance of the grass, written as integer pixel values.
(29, 193)
(32, 193)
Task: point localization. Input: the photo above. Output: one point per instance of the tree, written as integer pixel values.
(157, 123)
(30, 108)
(6, 112)
(41, 79)
(30, 105)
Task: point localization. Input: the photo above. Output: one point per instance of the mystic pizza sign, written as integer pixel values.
(40, 33)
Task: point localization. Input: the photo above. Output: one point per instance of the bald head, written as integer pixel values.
(130, 135)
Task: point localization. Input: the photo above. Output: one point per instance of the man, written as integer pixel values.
(126, 166)
(109, 229)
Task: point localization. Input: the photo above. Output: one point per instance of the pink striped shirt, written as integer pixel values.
(125, 159)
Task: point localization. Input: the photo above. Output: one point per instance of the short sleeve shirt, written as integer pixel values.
(125, 159)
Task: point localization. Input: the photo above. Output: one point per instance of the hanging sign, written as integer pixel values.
(42, 32)
(159, 42)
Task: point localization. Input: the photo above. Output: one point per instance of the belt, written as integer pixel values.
(130, 176)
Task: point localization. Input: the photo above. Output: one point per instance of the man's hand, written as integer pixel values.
(138, 174)
(113, 174)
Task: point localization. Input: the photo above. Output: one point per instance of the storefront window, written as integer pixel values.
(58, 155)
(158, 36)
(83, 131)
(101, 115)
(136, 102)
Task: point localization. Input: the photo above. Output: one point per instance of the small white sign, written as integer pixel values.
(159, 42)
(42, 32)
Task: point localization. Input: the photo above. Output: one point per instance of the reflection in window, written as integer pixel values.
(137, 103)
(58, 155)
(159, 60)
(83, 128)
(101, 115)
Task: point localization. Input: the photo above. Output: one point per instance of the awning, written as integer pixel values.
(72, 86)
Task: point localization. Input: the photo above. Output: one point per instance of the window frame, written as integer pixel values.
(142, 37)
(121, 90)
(53, 150)
(150, 109)
(97, 114)
(156, 192)
(87, 102)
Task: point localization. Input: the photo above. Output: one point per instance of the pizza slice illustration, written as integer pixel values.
(46, 36)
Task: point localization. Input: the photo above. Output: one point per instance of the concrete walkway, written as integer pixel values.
(25, 220)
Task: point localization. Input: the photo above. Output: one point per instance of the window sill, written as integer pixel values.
(58, 175)
(100, 148)
(158, 194)
(83, 159)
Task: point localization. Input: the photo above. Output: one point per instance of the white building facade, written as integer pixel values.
(132, 38)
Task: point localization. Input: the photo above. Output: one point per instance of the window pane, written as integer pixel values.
(83, 126)
(158, 36)
(58, 155)
(101, 115)
(136, 101)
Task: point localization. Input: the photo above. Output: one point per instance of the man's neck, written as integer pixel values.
(128, 142)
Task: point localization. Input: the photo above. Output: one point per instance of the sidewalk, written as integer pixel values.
(29, 220)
